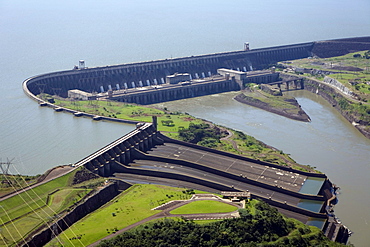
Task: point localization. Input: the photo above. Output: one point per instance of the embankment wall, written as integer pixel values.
(41, 237)
(333, 97)
(309, 174)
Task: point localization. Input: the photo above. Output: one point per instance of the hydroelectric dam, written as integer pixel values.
(113, 81)
(146, 155)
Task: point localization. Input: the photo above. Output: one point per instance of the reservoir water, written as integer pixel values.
(41, 36)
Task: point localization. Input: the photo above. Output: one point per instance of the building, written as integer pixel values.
(80, 95)
(177, 77)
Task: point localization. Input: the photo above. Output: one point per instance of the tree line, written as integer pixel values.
(265, 227)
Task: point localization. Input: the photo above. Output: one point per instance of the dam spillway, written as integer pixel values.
(146, 156)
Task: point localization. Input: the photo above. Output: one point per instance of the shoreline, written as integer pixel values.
(301, 116)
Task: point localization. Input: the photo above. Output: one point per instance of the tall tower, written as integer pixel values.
(81, 64)
(246, 46)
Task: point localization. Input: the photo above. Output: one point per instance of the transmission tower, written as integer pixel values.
(5, 166)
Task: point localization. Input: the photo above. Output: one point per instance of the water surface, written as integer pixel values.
(41, 36)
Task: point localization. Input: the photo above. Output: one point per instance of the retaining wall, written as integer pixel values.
(40, 238)
(235, 156)
(227, 175)
(216, 186)
(327, 93)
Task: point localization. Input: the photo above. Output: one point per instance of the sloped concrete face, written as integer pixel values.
(122, 151)
(153, 73)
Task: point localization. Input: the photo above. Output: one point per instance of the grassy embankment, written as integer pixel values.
(353, 71)
(169, 123)
(12, 183)
(133, 205)
(25, 212)
(136, 203)
(281, 104)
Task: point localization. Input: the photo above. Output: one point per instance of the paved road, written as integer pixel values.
(171, 206)
(54, 173)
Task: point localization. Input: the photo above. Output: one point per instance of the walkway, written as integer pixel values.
(176, 204)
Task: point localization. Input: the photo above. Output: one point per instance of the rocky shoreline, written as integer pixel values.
(301, 116)
(326, 92)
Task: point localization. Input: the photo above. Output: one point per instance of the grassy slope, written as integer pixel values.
(131, 112)
(32, 208)
(249, 147)
(11, 183)
(298, 232)
(279, 102)
(345, 77)
(133, 205)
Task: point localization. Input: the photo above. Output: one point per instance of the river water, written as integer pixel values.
(39, 36)
(328, 142)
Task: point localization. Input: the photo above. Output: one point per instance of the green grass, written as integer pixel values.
(131, 206)
(23, 213)
(14, 182)
(354, 80)
(204, 207)
(249, 147)
(279, 102)
(125, 111)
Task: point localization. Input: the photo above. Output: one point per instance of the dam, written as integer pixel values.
(145, 155)
(129, 159)
(113, 80)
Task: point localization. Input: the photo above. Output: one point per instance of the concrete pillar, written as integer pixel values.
(101, 171)
(127, 156)
(146, 144)
(107, 169)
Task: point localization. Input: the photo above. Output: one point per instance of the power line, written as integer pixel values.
(54, 212)
(34, 211)
(5, 166)
(3, 237)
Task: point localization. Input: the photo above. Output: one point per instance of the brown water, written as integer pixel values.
(328, 142)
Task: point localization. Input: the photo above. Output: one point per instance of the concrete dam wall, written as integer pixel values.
(153, 73)
(125, 76)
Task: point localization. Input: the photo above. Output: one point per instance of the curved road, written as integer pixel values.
(176, 204)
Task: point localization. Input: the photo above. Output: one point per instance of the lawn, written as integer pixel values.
(23, 213)
(133, 205)
(167, 121)
(204, 207)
